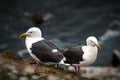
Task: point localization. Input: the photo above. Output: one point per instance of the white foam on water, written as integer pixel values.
(109, 34)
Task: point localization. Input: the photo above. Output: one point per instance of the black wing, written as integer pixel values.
(73, 55)
(43, 51)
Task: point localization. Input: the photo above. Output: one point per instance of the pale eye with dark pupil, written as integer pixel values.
(31, 32)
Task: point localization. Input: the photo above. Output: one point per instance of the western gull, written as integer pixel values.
(40, 49)
(81, 55)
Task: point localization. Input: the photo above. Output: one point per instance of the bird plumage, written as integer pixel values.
(73, 55)
(44, 51)
(40, 49)
(82, 55)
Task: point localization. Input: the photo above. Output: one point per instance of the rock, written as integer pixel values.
(38, 18)
(51, 77)
(101, 73)
(35, 77)
(12, 76)
(28, 70)
(11, 68)
(115, 58)
(1, 62)
(23, 78)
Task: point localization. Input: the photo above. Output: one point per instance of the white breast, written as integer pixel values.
(89, 56)
(29, 41)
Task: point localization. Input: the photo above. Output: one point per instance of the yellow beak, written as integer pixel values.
(98, 45)
(23, 35)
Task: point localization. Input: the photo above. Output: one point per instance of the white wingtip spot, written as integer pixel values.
(54, 50)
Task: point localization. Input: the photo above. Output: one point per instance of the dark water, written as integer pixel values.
(74, 21)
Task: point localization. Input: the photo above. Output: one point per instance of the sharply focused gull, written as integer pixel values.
(82, 55)
(41, 50)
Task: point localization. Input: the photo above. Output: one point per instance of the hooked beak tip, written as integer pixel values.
(98, 45)
(23, 35)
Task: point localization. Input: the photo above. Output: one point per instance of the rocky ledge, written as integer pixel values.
(18, 68)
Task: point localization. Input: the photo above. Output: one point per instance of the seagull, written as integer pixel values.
(40, 49)
(80, 56)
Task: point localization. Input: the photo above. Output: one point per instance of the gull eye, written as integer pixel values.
(31, 32)
(91, 41)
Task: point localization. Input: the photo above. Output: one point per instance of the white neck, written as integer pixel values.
(90, 50)
(29, 41)
(90, 55)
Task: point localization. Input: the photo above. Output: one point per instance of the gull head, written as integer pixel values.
(33, 32)
(92, 41)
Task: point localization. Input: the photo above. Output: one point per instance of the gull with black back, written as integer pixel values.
(81, 55)
(40, 49)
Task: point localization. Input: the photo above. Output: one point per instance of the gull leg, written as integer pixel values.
(79, 73)
(77, 70)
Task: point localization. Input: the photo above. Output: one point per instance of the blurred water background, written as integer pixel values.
(74, 21)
